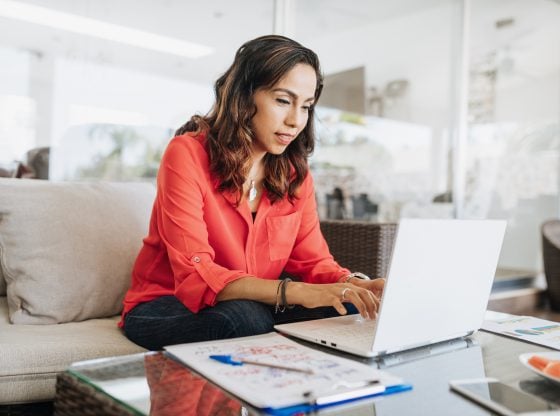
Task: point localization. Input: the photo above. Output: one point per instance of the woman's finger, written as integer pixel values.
(352, 296)
(337, 304)
(377, 303)
(373, 302)
(370, 300)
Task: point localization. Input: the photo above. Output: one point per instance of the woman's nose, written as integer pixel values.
(295, 118)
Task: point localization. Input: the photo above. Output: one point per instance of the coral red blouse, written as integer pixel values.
(199, 241)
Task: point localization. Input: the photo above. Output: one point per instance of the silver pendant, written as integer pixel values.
(252, 192)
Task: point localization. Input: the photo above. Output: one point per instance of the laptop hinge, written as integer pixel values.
(395, 358)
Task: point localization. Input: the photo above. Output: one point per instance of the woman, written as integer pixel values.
(235, 207)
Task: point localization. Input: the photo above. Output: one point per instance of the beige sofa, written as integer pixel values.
(66, 252)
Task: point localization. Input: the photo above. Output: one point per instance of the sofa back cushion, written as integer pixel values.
(67, 249)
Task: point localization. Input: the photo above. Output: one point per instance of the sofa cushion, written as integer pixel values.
(67, 249)
(31, 355)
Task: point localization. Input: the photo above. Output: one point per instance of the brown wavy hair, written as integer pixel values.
(259, 63)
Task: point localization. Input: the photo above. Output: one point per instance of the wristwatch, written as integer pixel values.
(357, 275)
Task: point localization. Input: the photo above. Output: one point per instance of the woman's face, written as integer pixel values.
(283, 110)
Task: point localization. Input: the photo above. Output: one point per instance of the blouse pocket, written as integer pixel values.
(282, 232)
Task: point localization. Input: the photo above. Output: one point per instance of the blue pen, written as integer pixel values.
(228, 359)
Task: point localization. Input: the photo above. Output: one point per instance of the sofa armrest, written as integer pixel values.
(361, 246)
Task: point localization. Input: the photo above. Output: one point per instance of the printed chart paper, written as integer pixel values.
(527, 328)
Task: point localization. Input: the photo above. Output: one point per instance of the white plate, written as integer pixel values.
(524, 358)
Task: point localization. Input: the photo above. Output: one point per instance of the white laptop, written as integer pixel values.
(437, 289)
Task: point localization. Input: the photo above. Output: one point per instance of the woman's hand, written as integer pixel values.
(375, 285)
(334, 294)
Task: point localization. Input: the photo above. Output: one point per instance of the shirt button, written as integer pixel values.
(196, 259)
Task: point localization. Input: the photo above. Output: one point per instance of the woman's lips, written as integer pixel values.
(285, 139)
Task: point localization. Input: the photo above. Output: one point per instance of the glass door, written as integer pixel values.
(513, 135)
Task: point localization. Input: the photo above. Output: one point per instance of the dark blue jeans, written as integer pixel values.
(166, 321)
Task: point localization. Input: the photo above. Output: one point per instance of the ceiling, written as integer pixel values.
(224, 25)
(221, 24)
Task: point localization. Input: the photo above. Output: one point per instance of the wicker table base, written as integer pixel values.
(74, 397)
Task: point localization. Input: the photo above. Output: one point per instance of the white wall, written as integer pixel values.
(416, 47)
(134, 97)
(537, 98)
(17, 110)
(419, 48)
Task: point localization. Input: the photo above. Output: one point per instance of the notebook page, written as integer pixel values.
(266, 387)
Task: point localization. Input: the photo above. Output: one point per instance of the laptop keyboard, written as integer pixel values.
(358, 330)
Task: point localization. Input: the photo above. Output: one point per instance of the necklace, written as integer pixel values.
(252, 191)
(254, 175)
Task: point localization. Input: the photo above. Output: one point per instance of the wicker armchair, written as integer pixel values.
(550, 231)
(361, 246)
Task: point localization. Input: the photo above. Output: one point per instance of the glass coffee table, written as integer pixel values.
(139, 384)
(154, 384)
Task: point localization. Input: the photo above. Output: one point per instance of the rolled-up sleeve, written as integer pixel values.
(311, 259)
(182, 186)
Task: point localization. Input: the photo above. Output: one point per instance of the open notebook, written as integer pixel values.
(437, 289)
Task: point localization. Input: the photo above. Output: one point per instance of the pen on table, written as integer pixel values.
(228, 359)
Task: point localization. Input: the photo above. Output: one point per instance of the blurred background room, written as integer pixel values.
(431, 108)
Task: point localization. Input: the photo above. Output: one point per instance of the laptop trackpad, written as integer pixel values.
(346, 329)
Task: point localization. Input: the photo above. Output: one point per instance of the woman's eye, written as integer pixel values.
(282, 101)
(306, 108)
